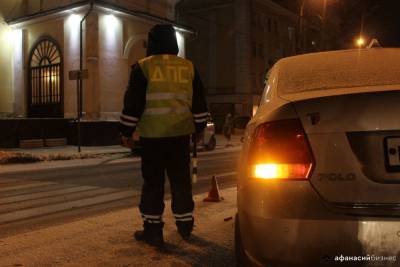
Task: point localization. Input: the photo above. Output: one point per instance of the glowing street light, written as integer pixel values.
(360, 42)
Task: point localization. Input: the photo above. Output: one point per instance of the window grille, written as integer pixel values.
(45, 80)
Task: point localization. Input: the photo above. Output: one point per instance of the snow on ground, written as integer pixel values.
(65, 153)
(7, 157)
(106, 240)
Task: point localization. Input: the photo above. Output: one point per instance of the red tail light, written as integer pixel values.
(280, 150)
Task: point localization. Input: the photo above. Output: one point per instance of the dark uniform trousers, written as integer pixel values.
(170, 155)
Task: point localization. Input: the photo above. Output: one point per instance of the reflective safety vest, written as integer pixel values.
(169, 94)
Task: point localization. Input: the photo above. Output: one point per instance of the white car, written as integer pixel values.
(319, 174)
(208, 142)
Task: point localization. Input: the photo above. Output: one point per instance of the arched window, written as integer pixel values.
(45, 94)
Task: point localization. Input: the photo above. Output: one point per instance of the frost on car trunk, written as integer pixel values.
(340, 72)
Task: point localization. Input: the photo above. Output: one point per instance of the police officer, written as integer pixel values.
(165, 101)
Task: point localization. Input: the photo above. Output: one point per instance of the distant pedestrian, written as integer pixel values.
(165, 100)
(227, 127)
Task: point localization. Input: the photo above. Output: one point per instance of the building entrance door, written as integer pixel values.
(45, 91)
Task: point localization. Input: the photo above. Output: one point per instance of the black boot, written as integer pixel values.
(152, 234)
(185, 229)
(185, 234)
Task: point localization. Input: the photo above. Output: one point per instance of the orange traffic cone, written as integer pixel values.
(213, 195)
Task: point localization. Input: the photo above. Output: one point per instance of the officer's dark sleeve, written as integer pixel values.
(134, 101)
(199, 105)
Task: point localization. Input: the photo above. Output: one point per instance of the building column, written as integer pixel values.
(19, 74)
(112, 66)
(71, 62)
(91, 86)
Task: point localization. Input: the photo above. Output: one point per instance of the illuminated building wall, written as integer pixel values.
(6, 96)
(71, 23)
(113, 41)
(112, 70)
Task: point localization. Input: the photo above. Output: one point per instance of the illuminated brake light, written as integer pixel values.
(280, 150)
(268, 171)
(281, 171)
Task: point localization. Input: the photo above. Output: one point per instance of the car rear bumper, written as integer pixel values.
(292, 227)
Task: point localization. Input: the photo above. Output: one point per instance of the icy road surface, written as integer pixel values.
(106, 240)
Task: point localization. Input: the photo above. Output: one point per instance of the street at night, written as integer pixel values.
(246, 133)
(77, 191)
(60, 203)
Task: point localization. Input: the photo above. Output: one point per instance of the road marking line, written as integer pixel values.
(54, 208)
(221, 151)
(7, 180)
(15, 207)
(38, 195)
(234, 157)
(223, 174)
(25, 186)
(34, 190)
(200, 155)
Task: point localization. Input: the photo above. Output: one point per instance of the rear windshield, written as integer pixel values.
(341, 69)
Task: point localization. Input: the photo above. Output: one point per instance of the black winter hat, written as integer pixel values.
(162, 40)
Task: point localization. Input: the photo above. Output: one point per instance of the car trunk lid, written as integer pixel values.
(355, 140)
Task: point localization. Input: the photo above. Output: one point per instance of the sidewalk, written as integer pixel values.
(106, 240)
(221, 142)
(71, 152)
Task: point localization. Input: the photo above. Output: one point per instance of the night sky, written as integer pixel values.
(375, 18)
(379, 18)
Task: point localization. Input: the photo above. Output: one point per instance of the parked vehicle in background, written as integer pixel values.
(207, 142)
(319, 174)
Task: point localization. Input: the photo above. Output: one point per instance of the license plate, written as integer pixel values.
(392, 153)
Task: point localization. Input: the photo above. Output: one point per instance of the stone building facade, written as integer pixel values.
(236, 44)
(114, 36)
(41, 45)
(238, 41)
